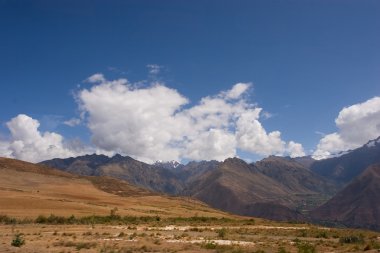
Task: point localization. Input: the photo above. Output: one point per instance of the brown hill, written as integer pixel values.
(357, 205)
(28, 190)
(237, 187)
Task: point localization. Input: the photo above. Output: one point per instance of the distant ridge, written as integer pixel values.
(152, 177)
(346, 167)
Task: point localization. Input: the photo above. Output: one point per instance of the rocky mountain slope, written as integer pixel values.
(357, 205)
(240, 188)
(294, 176)
(346, 167)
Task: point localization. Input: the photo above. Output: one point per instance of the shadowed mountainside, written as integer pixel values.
(357, 205)
(344, 168)
(295, 176)
(275, 188)
(135, 172)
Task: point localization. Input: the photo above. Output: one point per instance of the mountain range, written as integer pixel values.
(340, 190)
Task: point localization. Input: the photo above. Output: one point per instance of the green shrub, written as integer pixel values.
(17, 241)
(222, 232)
(209, 245)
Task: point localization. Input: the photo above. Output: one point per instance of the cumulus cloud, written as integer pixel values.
(157, 123)
(357, 124)
(28, 144)
(253, 138)
(295, 149)
(4, 149)
(237, 90)
(217, 144)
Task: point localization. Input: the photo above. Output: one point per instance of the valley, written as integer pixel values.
(276, 188)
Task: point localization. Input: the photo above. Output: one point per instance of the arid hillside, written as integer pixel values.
(28, 190)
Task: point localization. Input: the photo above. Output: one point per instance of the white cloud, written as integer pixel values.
(4, 149)
(152, 123)
(216, 144)
(266, 115)
(132, 121)
(28, 144)
(154, 69)
(72, 122)
(252, 137)
(357, 124)
(237, 90)
(96, 78)
(295, 149)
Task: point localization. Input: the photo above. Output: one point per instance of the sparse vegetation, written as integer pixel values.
(117, 233)
(305, 247)
(352, 239)
(113, 218)
(18, 240)
(76, 245)
(282, 250)
(209, 245)
(221, 233)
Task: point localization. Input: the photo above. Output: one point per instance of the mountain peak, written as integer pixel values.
(168, 164)
(373, 143)
(234, 160)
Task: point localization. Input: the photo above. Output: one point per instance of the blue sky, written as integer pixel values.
(306, 60)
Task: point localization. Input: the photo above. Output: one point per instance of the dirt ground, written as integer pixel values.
(184, 238)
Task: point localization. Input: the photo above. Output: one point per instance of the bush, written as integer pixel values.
(4, 219)
(322, 234)
(306, 248)
(209, 245)
(17, 241)
(282, 250)
(221, 233)
(352, 239)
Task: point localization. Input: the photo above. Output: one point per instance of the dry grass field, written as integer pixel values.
(28, 190)
(163, 237)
